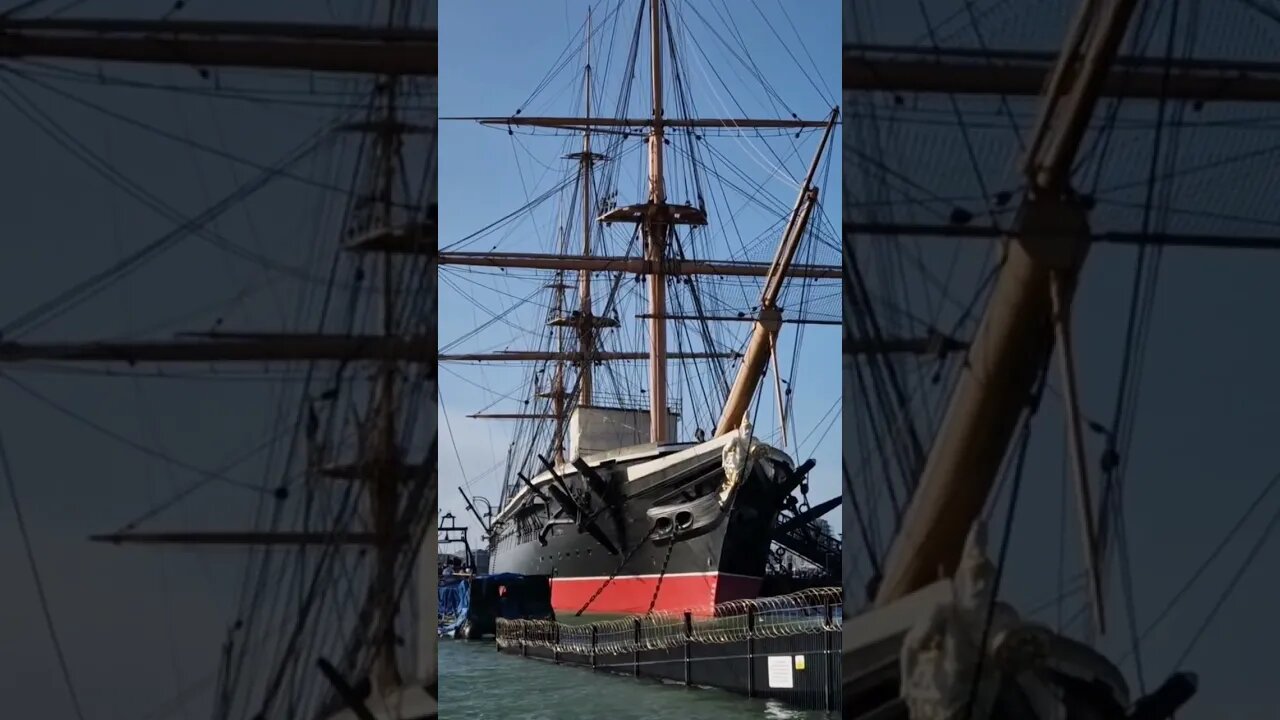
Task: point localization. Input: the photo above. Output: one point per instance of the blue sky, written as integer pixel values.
(492, 56)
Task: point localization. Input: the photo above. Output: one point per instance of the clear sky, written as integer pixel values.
(493, 56)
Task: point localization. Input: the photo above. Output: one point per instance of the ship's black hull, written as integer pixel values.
(721, 556)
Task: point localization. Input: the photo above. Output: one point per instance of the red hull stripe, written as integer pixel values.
(631, 594)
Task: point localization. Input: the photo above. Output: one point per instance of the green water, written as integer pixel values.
(478, 683)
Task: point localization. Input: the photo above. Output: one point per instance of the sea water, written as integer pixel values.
(479, 683)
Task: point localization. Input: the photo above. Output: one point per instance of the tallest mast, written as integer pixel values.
(655, 229)
(384, 490)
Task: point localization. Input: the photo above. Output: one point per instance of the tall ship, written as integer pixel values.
(252, 204)
(631, 497)
(1055, 517)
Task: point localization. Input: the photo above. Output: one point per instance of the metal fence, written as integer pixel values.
(784, 647)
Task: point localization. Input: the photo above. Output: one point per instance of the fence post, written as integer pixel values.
(828, 662)
(555, 648)
(751, 650)
(635, 657)
(688, 640)
(594, 640)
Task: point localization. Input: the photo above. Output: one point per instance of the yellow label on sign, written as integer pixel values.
(799, 662)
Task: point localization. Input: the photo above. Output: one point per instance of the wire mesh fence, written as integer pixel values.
(784, 647)
(808, 611)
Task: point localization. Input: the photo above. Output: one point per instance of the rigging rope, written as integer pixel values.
(34, 567)
(1019, 465)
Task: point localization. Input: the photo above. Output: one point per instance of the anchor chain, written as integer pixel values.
(661, 574)
(614, 574)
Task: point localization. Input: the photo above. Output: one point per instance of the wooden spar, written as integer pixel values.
(1023, 73)
(235, 537)
(765, 335)
(911, 346)
(558, 391)
(637, 266)
(1060, 306)
(1014, 339)
(1115, 237)
(542, 355)
(243, 348)
(655, 233)
(384, 483)
(744, 318)
(586, 123)
(320, 48)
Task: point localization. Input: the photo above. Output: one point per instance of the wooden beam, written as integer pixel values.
(267, 347)
(577, 123)
(539, 355)
(602, 263)
(233, 537)
(1024, 73)
(734, 318)
(316, 47)
(978, 232)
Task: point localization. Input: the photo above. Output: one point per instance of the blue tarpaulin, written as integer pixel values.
(473, 604)
(455, 603)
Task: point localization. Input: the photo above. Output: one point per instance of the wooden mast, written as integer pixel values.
(586, 328)
(557, 392)
(1013, 342)
(384, 489)
(584, 324)
(655, 230)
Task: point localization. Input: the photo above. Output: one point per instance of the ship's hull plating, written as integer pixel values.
(723, 561)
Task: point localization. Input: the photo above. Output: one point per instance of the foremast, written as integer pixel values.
(387, 462)
(584, 322)
(656, 226)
